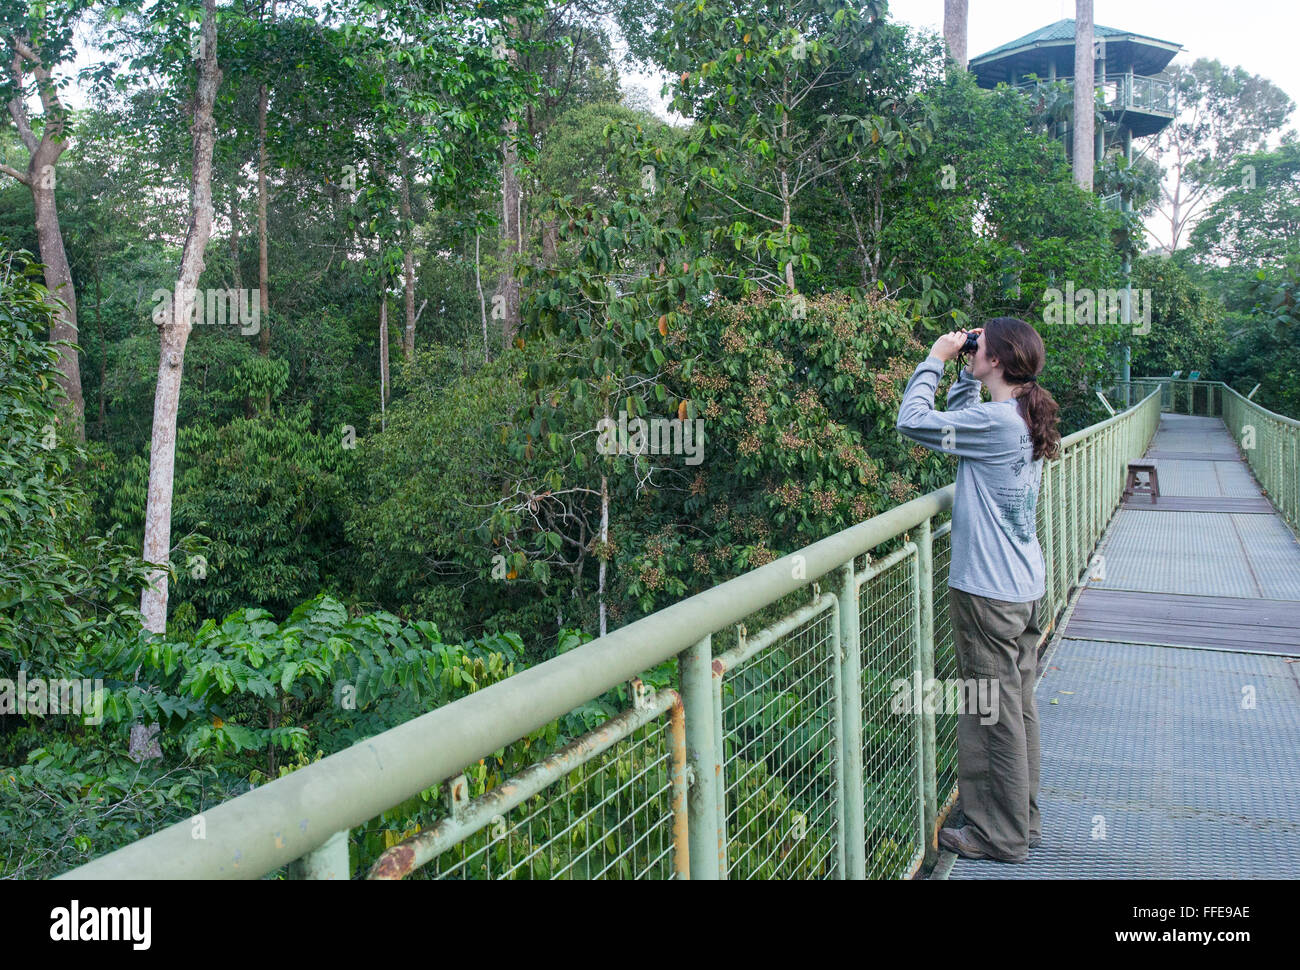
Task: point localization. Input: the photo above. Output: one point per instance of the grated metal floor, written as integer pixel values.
(1202, 553)
(1152, 767)
(1166, 762)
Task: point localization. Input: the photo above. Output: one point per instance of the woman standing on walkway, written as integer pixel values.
(996, 576)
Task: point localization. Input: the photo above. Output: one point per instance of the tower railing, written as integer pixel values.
(811, 732)
(1122, 92)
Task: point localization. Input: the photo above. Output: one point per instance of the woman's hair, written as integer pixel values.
(1019, 349)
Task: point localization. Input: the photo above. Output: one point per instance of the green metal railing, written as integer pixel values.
(1270, 442)
(784, 752)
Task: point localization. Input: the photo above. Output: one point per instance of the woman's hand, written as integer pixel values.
(948, 346)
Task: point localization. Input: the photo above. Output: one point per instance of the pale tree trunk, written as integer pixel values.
(955, 19)
(174, 333)
(604, 538)
(482, 306)
(383, 348)
(785, 196)
(40, 179)
(263, 274)
(408, 259)
(235, 271)
(508, 286)
(1084, 97)
(511, 209)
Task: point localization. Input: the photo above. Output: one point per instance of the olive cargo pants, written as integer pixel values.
(998, 762)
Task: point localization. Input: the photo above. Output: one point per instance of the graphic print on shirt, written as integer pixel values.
(1018, 507)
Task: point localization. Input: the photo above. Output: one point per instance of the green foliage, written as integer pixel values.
(262, 499)
(73, 800)
(1186, 331)
(59, 587)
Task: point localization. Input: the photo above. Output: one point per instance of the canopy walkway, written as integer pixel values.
(789, 746)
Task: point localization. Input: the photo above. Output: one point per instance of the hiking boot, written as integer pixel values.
(957, 819)
(961, 842)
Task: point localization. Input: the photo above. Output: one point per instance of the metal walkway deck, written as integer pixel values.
(1169, 702)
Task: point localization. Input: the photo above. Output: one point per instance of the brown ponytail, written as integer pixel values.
(1019, 349)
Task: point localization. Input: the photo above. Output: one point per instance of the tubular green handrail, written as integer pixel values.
(793, 758)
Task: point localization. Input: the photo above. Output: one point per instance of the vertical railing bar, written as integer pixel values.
(720, 765)
(681, 791)
(837, 733)
(1049, 501)
(924, 600)
(695, 671)
(855, 836)
(328, 861)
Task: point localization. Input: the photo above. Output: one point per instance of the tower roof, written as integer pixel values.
(1039, 49)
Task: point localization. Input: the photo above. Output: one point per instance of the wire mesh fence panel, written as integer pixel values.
(608, 818)
(888, 629)
(945, 668)
(781, 757)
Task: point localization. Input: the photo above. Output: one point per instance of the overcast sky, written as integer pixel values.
(1258, 35)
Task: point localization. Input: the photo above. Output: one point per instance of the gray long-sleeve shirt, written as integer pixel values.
(995, 551)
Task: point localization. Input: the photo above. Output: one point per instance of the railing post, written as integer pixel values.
(327, 861)
(1076, 499)
(837, 730)
(854, 834)
(925, 625)
(1062, 589)
(1049, 559)
(720, 766)
(695, 672)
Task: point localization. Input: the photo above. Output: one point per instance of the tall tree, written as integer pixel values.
(1222, 113)
(263, 271)
(174, 324)
(512, 238)
(35, 39)
(783, 105)
(955, 19)
(1084, 96)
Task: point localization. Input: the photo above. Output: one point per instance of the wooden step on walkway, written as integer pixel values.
(1199, 503)
(1177, 619)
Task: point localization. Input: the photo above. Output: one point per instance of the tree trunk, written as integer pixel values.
(508, 286)
(40, 179)
(235, 272)
(408, 259)
(955, 19)
(103, 348)
(551, 241)
(604, 539)
(511, 209)
(175, 331)
(1084, 97)
(263, 285)
(383, 348)
(58, 279)
(482, 306)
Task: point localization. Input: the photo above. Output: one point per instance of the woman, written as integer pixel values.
(996, 576)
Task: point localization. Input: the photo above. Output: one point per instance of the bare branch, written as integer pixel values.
(15, 174)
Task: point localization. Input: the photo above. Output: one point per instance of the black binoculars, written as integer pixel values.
(972, 342)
